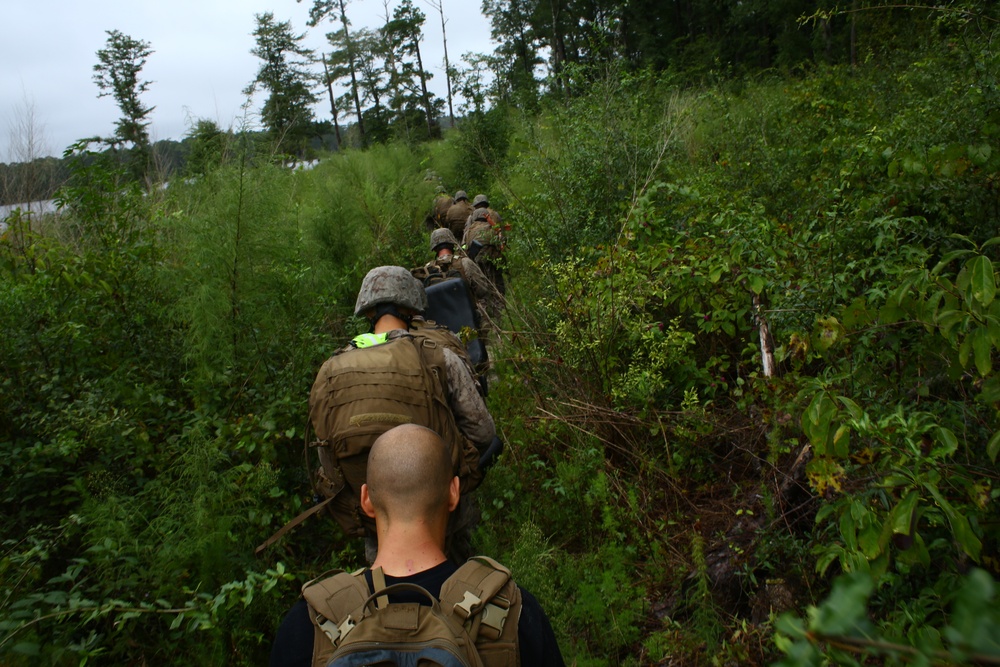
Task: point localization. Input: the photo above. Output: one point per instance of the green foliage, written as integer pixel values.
(659, 489)
(842, 625)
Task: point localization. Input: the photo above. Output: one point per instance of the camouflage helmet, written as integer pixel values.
(480, 214)
(480, 200)
(390, 284)
(442, 236)
(460, 195)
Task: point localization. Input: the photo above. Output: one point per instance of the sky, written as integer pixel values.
(200, 64)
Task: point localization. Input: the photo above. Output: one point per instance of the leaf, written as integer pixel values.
(950, 257)
(842, 441)
(869, 542)
(983, 284)
(993, 447)
(756, 284)
(947, 438)
(980, 154)
(946, 319)
(844, 612)
(964, 350)
(982, 346)
(902, 514)
(849, 531)
(959, 525)
(853, 408)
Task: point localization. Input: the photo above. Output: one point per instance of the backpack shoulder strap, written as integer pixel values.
(336, 601)
(484, 598)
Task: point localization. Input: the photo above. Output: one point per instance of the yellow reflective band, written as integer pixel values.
(369, 340)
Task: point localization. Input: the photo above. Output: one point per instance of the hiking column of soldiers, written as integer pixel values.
(480, 231)
(403, 403)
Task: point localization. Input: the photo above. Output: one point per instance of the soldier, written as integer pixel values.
(481, 201)
(409, 494)
(404, 371)
(450, 261)
(484, 241)
(439, 210)
(458, 213)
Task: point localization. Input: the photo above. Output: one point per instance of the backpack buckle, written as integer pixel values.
(468, 604)
(329, 628)
(493, 617)
(345, 627)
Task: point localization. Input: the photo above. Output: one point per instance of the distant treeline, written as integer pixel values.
(40, 179)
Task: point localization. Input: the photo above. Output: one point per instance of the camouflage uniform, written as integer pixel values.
(480, 288)
(439, 212)
(458, 214)
(395, 287)
(489, 233)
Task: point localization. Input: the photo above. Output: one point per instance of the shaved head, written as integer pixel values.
(409, 473)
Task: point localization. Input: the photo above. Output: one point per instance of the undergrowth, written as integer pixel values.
(664, 497)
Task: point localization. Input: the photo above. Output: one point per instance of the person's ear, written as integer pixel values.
(454, 493)
(366, 502)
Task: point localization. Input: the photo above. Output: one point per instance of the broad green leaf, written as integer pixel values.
(982, 346)
(982, 282)
(902, 514)
(842, 441)
(853, 408)
(964, 350)
(869, 542)
(756, 284)
(947, 319)
(849, 531)
(993, 447)
(950, 257)
(949, 443)
(993, 324)
(959, 525)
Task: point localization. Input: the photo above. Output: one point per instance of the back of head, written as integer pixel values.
(481, 214)
(442, 236)
(390, 285)
(461, 195)
(409, 472)
(480, 201)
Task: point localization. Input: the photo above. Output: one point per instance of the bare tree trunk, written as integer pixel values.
(429, 112)
(333, 104)
(439, 5)
(558, 48)
(354, 78)
(766, 340)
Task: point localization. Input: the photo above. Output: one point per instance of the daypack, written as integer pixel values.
(473, 623)
(449, 303)
(359, 394)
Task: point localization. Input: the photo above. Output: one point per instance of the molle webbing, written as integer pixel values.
(480, 596)
(359, 394)
(334, 602)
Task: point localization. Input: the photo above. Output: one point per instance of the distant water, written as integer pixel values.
(38, 207)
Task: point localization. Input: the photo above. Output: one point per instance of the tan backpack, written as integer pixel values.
(473, 622)
(359, 394)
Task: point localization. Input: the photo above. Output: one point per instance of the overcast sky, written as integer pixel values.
(201, 59)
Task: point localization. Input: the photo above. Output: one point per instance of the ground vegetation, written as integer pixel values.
(747, 374)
